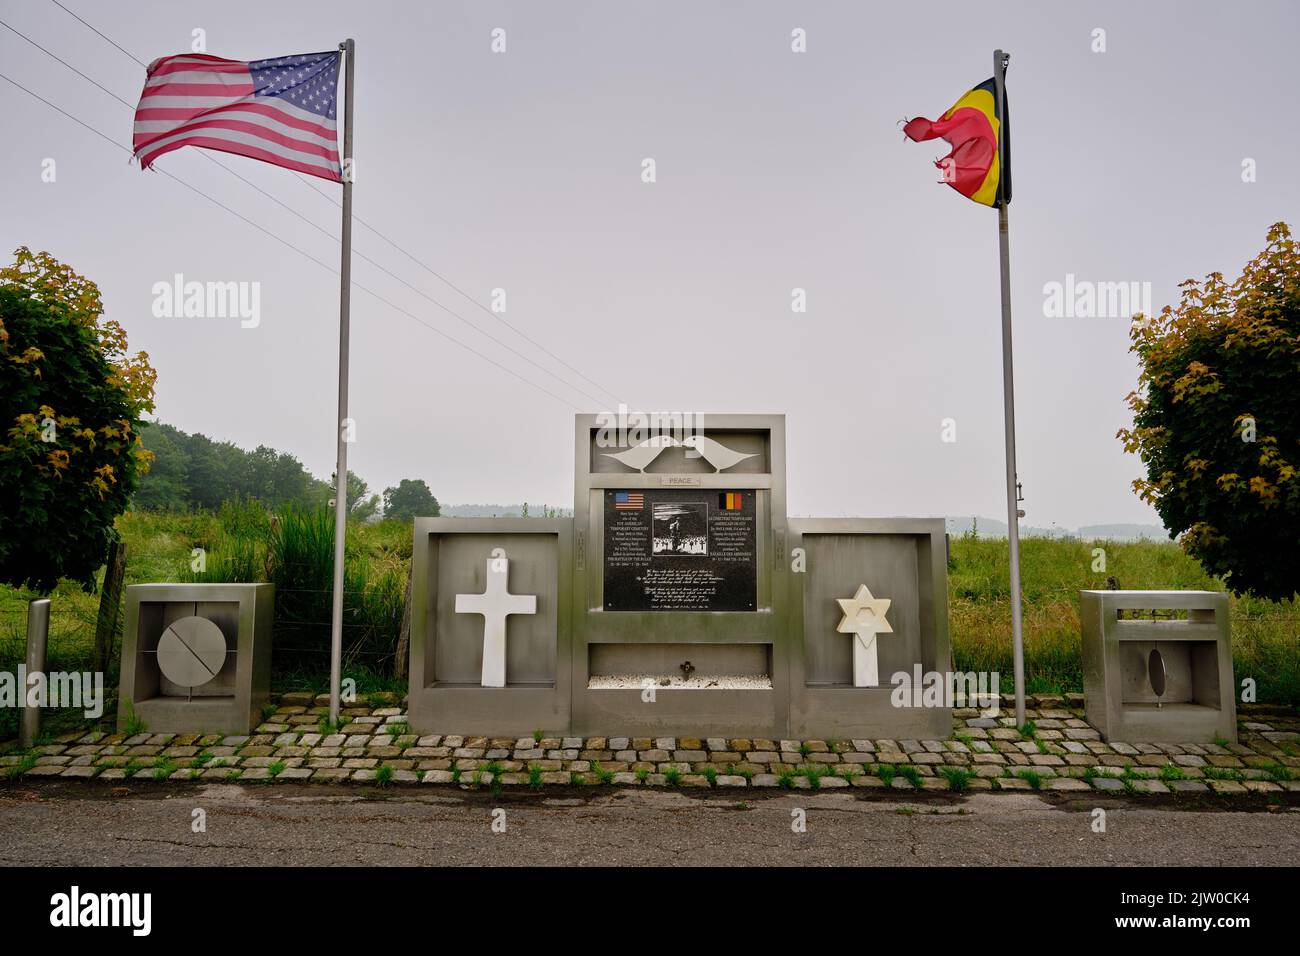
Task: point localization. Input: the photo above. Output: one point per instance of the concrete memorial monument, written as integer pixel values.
(196, 657)
(678, 600)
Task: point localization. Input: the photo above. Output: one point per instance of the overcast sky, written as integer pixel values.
(775, 170)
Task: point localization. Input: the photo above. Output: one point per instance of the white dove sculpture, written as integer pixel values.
(639, 456)
(715, 453)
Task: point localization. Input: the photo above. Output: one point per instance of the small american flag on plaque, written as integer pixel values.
(628, 501)
(281, 111)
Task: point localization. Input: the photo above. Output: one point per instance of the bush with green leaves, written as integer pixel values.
(1216, 420)
(71, 406)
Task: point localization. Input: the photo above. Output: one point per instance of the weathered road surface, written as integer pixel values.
(57, 824)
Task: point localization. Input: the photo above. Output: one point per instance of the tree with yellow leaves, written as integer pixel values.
(1216, 420)
(71, 401)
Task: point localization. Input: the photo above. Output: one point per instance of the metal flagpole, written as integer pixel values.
(341, 467)
(1000, 61)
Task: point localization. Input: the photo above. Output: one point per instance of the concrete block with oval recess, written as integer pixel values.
(196, 658)
(1157, 666)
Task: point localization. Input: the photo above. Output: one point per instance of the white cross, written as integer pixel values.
(864, 618)
(494, 604)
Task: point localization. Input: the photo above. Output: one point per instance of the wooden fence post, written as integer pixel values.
(404, 635)
(110, 605)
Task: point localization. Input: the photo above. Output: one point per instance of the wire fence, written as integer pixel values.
(302, 630)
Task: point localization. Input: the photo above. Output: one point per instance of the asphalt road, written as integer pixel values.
(54, 824)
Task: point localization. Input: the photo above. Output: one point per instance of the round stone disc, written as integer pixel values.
(191, 651)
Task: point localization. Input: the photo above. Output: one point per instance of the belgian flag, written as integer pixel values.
(731, 501)
(972, 127)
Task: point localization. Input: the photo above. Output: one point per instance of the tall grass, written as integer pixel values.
(1265, 640)
(300, 563)
(294, 550)
(235, 550)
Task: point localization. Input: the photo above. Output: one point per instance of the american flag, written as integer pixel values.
(629, 501)
(281, 111)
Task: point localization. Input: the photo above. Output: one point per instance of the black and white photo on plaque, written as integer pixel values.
(680, 529)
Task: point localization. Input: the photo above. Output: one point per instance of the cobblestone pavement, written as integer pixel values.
(1055, 751)
(58, 822)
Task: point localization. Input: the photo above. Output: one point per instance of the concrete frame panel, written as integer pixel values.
(681, 712)
(446, 647)
(904, 559)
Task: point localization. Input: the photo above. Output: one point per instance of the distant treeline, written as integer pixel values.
(524, 510)
(192, 472)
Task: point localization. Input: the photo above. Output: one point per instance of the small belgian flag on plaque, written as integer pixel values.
(731, 501)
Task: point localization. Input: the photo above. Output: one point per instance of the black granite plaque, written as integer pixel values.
(677, 549)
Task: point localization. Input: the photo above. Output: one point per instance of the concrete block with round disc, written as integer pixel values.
(196, 657)
(192, 651)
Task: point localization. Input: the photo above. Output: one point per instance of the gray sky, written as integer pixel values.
(775, 170)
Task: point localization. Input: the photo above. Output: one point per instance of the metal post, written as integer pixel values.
(1000, 61)
(341, 468)
(38, 636)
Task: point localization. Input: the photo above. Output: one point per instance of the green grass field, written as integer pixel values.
(1264, 634)
(1265, 643)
